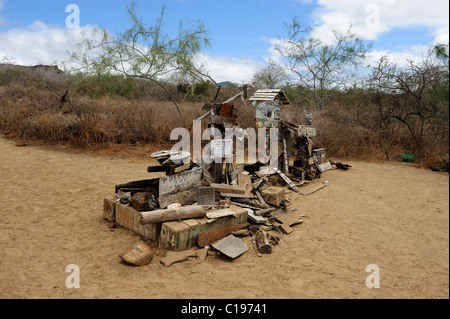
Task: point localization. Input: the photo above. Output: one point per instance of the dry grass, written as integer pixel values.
(31, 112)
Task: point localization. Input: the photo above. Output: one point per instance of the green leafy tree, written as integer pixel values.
(321, 68)
(143, 51)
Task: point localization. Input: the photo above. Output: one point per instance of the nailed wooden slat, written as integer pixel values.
(223, 188)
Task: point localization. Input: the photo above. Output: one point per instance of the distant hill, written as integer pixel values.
(227, 84)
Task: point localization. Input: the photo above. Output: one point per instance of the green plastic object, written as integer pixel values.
(408, 158)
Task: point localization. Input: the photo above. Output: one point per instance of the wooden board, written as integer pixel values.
(246, 182)
(220, 213)
(229, 189)
(182, 198)
(180, 182)
(236, 195)
(212, 235)
(231, 247)
(289, 218)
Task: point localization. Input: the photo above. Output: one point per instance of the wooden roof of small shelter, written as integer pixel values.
(270, 95)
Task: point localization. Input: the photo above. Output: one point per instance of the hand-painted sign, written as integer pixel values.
(180, 182)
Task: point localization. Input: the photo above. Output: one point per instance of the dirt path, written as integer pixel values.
(391, 215)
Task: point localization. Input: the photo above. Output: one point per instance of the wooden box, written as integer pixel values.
(129, 218)
(109, 208)
(178, 236)
(274, 195)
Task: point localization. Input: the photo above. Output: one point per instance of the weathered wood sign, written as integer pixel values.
(180, 182)
(307, 130)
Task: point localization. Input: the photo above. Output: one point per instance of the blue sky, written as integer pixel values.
(242, 32)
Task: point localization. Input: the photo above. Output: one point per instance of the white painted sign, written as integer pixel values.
(307, 130)
(221, 149)
(180, 182)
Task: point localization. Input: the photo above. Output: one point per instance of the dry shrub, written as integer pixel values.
(32, 112)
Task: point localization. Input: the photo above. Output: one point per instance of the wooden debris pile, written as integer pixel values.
(185, 210)
(200, 209)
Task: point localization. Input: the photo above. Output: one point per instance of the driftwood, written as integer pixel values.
(262, 242)
(167, 215)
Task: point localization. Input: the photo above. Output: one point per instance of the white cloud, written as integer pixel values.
(371, 18)
(40, 43)
(400, 58)
(227, 68)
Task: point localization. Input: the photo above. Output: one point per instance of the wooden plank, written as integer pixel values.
(246, 182)
(182, 198)
(289, 218)
(156, 169)
(230, 189)
(285, 229)
(288, 181)
(212, 235)
(220, 213)
(180, 182)
(261, 199)
(239, 170)
(256, 218)
(231, 195)
(255, 247)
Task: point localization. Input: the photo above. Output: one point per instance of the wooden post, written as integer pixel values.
(286, 139)
(261, 199)
(167, 215)
(262, 242)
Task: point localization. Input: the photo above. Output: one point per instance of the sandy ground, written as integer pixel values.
(392, 215)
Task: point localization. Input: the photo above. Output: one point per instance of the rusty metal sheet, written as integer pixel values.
(180, 182)
(231, 247)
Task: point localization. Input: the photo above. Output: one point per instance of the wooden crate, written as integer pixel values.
(178, 236)
(109, 208)
(274, 195)
(129, 218)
